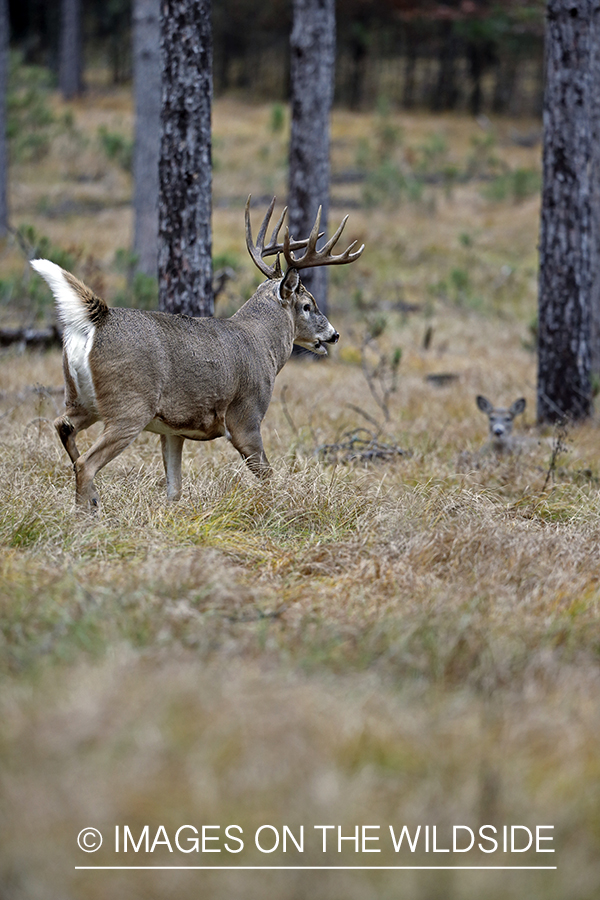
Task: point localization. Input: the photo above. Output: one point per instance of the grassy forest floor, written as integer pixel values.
(409, 641)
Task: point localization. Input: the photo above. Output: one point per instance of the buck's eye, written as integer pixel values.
(306, 307)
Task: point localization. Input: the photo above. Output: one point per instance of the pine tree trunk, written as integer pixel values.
(359, 52)
(312, 68)
(410, 66)
(4, 31)
(445, 93)
(476, 59)
(147, 90)
(506, 82)
(564, 389)
(184, 207)
(70, 78)
(595, 202)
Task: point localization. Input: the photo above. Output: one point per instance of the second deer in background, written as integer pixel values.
(501, 423)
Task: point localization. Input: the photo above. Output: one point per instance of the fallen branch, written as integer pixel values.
(41, 338)
(358, 445)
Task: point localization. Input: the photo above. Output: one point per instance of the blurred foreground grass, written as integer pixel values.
(415, 642)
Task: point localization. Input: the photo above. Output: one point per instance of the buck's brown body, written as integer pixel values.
(181, 377)
(196, 393)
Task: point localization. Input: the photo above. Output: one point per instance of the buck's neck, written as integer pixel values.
(269, 323)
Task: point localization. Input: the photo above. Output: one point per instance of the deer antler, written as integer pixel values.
(322, 257)
(258, 251)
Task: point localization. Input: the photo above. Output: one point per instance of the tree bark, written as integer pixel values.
(507, 69)
(70, 66)
(476, 54)
(445, 94)
(358, 60)
(595, 202)
(4, 30)
(564, 388)
(410, 66)
(185, 181)
(147, 91)
(312, 68)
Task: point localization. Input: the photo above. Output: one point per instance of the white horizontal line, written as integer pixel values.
(312, 868)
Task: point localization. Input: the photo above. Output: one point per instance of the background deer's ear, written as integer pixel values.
(518, 406)
(484, 404)
(289, 285)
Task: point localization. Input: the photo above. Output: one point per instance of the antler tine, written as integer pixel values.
(256, 251)
(314, 235)
(260, 238)
(273, 247)
(322, 257)
(347, 255)
(335, 237)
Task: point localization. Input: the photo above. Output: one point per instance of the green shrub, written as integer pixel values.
(277, 123)
(30, 121)
(457, 289)
(483, 160)
(516, 185)
(388, 184)
(142, 290)
(460, 281)
(226, 260)
(432, 154)
(117, 147)
(389, 137)
(141, 294)
(27, 294)
(363, 154)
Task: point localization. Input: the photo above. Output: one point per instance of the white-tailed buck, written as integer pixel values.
(501, 423)
(182, 377)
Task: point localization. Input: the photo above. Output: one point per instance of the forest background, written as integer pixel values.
(428, 54)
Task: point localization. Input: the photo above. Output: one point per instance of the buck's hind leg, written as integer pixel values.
(172, 447)
(68, 426)
(113, 440)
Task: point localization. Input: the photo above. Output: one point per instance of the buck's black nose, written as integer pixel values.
(333, 339)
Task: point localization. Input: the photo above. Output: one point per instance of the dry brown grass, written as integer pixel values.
(415, 642)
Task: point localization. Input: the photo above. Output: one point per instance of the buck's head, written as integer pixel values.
(500, 419)
(312, 330)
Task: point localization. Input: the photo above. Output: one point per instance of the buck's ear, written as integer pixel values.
(484, 405)
(518, 406)
(289, 285)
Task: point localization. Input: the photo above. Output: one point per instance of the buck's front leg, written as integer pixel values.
(248, 442)
(172, 447)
